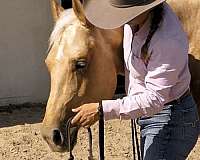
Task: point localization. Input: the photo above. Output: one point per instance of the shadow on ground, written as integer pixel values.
(13, 115)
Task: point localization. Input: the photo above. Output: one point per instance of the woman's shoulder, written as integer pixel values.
(168, 51)
(172, 45)
(171, 22)
(171, 32)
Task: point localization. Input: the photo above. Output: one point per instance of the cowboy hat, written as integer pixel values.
(109, 14)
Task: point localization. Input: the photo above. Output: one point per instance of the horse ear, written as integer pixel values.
(56, 9)
(79, 11)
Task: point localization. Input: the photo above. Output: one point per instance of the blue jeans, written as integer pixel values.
(170, 134)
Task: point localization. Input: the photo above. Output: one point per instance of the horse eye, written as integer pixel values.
(81, 65)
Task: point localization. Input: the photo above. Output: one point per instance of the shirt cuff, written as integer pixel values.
(111, 109)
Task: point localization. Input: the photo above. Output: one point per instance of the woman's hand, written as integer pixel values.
(87, 115)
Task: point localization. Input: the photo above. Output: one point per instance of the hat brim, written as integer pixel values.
(103, 15)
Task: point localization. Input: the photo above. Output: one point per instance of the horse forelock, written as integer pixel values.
(67, 18)
(68, 23)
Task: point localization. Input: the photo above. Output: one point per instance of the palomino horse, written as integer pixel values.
(84, 61)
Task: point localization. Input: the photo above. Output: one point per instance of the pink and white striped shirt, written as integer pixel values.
(166, 76)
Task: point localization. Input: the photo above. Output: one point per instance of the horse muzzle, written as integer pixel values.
(60, 140)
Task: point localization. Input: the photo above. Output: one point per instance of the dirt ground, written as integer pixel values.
(20, 138)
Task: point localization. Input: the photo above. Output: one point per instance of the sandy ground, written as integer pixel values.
(20, 138)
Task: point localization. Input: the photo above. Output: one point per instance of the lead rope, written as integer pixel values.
(90, 157)
(101, 136)
(101, 132)
(135, 140)
(71, 157)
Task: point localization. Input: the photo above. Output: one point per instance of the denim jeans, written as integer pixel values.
(170, 134)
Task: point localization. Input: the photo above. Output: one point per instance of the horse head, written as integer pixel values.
(83, 62)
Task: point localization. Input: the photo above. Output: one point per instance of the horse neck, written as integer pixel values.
(114, 40)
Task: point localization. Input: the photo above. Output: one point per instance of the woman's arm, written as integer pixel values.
(167, 62)
(169, 59)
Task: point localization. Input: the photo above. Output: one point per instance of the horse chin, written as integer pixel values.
(60, 149)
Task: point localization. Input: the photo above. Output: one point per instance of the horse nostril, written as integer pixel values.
(57, 137)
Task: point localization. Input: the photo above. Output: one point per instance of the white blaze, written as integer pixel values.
(60, 53)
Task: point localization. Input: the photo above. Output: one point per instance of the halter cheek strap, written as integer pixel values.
(68, 126)
(69, 139)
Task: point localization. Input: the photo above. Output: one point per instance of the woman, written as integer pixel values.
(157, 77)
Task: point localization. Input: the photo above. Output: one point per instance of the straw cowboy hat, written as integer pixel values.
(109, 14)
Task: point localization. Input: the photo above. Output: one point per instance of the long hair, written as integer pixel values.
(156, 20)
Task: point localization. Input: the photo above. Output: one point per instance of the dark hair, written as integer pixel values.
(156, 19)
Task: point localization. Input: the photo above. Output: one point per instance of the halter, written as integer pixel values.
(101, 138)
(68, 126)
